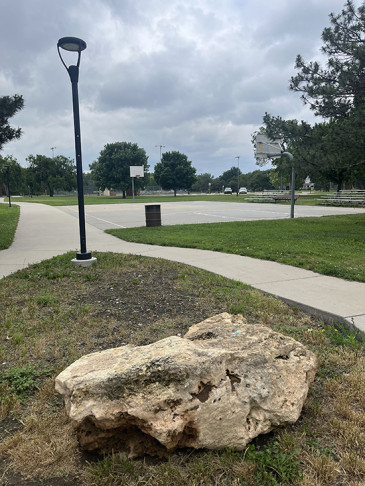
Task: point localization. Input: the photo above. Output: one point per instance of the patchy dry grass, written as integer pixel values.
(53, 313)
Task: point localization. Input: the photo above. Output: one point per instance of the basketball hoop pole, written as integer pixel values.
(135, 171)
(263, 146)
(292, 197)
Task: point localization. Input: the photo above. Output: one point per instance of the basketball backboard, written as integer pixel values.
(267, 147)
(136, 170)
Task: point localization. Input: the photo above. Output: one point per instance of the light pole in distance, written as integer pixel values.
(161, 147)
(73, 44)
(238, 173)
(6, 167)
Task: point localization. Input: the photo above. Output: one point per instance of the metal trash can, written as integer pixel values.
(153, 215)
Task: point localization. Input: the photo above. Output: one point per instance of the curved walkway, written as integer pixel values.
(45, 231)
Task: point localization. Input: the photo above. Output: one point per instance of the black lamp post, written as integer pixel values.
(6, 167)
(74, 44)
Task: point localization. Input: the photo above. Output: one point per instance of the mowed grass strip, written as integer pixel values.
(92, 200)
(330, 245)
(53, 313)
(9, 217)
(306, 200)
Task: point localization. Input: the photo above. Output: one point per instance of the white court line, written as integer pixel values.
(100, 219)
(212, 215)
(106, 221)
(262, 211)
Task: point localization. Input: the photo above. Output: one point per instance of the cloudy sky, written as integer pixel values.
(195, 76)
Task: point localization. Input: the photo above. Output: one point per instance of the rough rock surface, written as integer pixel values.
(220, 386)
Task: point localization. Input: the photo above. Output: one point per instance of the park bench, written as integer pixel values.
(271, 197)
(285, 197)
(344, 198)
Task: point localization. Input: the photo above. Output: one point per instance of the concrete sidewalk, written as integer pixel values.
(46, 231)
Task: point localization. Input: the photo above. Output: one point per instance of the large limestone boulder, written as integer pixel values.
(220, 386)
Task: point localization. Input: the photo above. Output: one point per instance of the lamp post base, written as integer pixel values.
(84, 262)
(83, 255)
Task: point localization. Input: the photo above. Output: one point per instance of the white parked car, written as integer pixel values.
(242, 190)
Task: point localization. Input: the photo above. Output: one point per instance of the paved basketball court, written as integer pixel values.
(107, 216)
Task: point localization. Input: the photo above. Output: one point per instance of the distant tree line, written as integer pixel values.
(255, 181)
(111, 169)
(44, 175)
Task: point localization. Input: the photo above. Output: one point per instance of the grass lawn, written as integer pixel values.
(331, 245)
(8, 222)
(53, 313)
(307, 199)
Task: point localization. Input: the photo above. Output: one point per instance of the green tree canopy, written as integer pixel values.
(111, 169)
(258, 180)
(9, 106)
(232, 178)
(336, 154)
(175, 172)
(16, 175)
(217, 184)
(295, 138)
(338, 89)
(203, 182)
(326, 152)
(89, 183)
(50, 173)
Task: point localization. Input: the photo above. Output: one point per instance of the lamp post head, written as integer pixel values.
(73, 44)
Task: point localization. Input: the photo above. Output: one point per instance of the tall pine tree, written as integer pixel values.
(337, 90)
(9, 105)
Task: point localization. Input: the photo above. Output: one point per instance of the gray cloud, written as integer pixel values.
(194, 75)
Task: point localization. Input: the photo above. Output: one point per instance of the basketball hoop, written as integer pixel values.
(136, 171)
(266, 149)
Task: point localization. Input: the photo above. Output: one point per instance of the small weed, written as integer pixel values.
(114, 469)
(46, 300)
(316, 445)
(18, 338)
(274, 466)
(55, 275)
(23, 381)
(340, 335)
